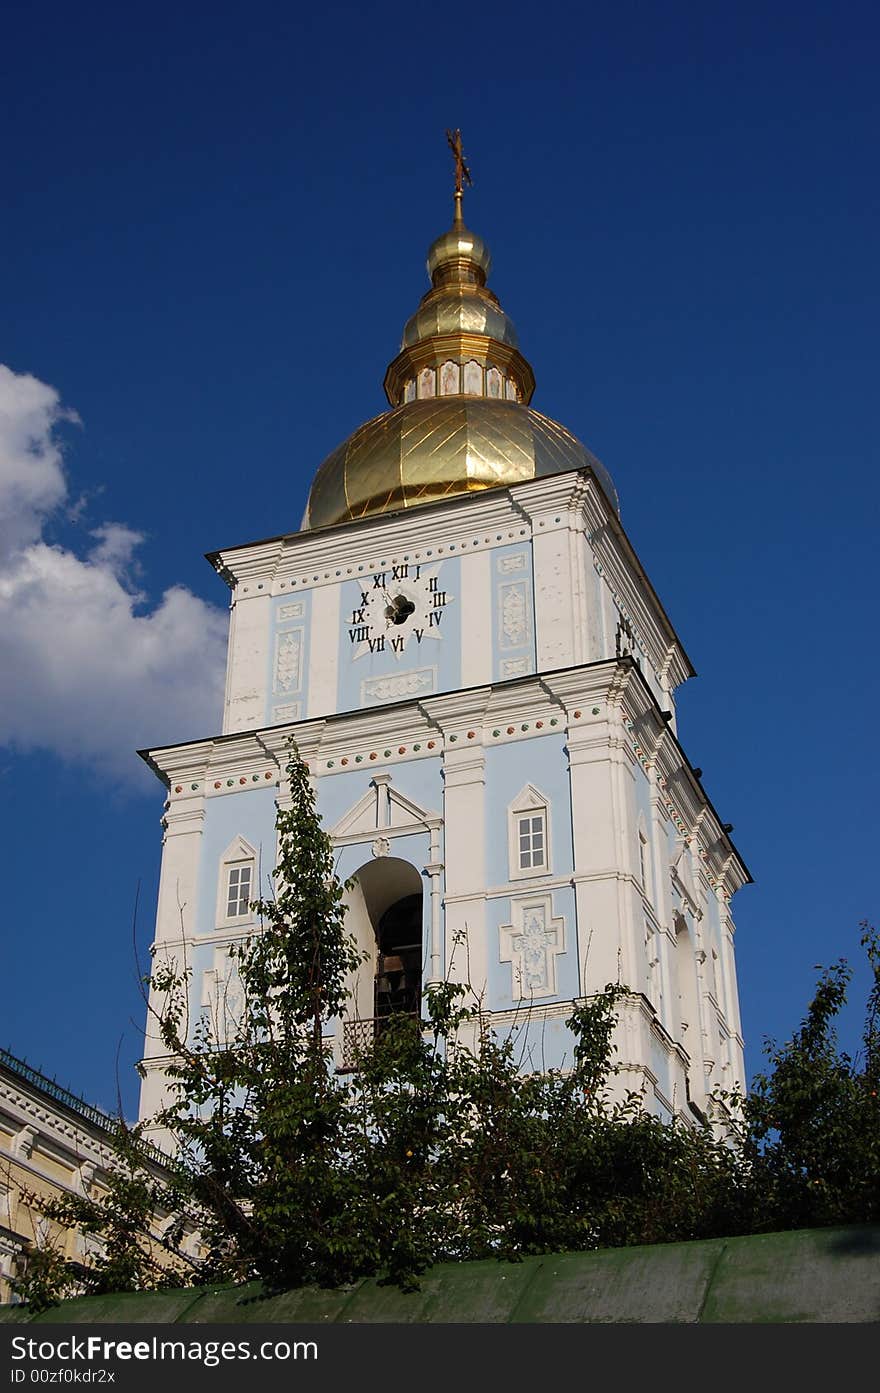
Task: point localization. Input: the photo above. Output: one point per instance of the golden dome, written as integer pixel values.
(459, 310)
(459, 390)
(425, 450)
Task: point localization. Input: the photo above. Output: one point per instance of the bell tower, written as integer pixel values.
(472, 660)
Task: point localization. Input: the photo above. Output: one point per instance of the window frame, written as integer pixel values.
(530, 803)
(239, 855)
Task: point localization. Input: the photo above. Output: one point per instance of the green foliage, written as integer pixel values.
(440, 1145)
(47, 1279)
(813, 1120)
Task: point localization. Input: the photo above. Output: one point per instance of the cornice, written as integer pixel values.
(606, 702)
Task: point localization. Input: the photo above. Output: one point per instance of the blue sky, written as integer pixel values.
(214, 229)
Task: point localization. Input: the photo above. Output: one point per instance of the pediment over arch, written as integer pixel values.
(383, 808)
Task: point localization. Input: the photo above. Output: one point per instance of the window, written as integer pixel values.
(529, 834)
(237, 884)
(238, 895)
(644, 867)
(532, 840)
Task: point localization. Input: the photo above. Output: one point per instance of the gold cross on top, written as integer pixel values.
(462, 173)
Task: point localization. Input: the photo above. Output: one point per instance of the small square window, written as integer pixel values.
(238, 894)
(531, 842)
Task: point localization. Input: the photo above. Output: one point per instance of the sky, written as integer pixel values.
(213, 229)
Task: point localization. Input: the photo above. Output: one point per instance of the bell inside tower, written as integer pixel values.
(398, 985)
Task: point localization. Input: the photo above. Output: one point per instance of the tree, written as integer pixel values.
(813, 1119)
(440, 1145)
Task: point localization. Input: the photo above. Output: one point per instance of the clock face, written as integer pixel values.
(397, 607)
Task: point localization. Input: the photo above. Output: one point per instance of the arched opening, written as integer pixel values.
(398, 982)
(385, 914)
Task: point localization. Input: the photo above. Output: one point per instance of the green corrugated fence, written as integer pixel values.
(807, 1275)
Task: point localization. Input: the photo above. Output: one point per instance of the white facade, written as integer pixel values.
(483, 689)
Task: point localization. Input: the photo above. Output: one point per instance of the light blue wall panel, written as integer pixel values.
(539, 1045)
(420, 780)
(249, 814)
(288, 662)
(509, 767)
(500, 974)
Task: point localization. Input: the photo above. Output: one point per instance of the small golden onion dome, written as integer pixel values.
(459, 390)
(427, 450)
(459, 248)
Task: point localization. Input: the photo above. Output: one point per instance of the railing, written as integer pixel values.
(54, 1090)
(358, 1036)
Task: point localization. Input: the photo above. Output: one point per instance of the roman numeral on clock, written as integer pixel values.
(360, 633)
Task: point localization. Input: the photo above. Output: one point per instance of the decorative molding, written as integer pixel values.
(398, 686)
(514, 619)
(515, 667)
(531, 943)
(293, 611)
(289, 661)
(513, 562)
(291, 711)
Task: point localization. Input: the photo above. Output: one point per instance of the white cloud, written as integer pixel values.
(31, 477)
(88, 669)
